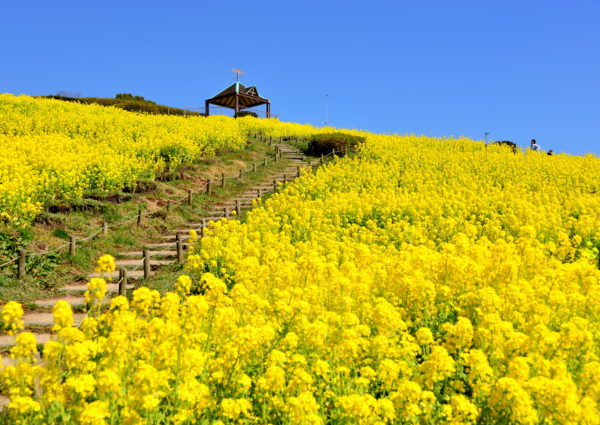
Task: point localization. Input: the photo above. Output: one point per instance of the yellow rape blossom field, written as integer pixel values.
(52, 150)
(422, 281)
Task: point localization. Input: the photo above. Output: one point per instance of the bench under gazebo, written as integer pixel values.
(238, 97)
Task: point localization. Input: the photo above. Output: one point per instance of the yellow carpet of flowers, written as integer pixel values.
(423, 281)
(52, 150)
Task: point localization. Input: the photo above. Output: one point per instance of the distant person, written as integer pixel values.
(534, 146)
(550, 152)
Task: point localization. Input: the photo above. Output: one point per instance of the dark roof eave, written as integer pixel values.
(225, 96)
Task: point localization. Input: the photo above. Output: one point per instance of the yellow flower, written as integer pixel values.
(424, 336)
(63, 315)
(82, 385)
(235, 408)
(11, 317)
(438, 366)
(183, 284)
(96, 290)
(106, 264)
(95, 413)
(25, 346)
(23, 405)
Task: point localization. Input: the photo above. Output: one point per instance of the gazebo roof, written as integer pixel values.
(248, 97)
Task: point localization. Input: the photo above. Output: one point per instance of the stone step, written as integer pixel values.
(213, 216)
(186, 231)
(9, 340)
(82, 287)
(131, 274)
(152, 253)
(243, 197)
(6, 361)
(46, 319)
(244, 203)
(229, 214)
(266, 186)
(184, 237)
(140, 262)
(74, 301)
(162, 245)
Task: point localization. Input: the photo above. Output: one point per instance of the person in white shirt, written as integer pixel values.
(534, 146)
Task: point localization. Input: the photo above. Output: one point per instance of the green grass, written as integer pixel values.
(47, 274)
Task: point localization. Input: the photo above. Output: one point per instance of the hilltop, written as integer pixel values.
(128, 102)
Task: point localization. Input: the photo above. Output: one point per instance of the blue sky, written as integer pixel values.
(516, 69)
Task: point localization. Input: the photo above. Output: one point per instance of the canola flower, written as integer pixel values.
(424, 281)
(53, 150)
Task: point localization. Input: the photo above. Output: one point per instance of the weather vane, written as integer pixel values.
(237, 72)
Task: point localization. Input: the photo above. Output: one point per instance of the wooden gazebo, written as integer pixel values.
(238, 97)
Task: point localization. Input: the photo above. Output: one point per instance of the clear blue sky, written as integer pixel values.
(517, 69)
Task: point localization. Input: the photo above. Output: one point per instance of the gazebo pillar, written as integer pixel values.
(268, 109)
(237, 104)
(206, 112)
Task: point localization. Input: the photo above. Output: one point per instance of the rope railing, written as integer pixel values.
(206, 187)
(9, 262)
(52, 251)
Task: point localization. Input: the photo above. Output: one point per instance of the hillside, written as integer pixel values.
(420, 280)
(54, 150)
(127, 102)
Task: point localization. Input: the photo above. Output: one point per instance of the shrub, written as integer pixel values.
(507, 143)
(135, 106)
(324, 143)
(246, 114)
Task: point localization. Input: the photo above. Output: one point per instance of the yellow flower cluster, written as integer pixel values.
(52, 150)
(424, 281)
(10, 316)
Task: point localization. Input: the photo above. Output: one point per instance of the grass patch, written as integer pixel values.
(47, 274)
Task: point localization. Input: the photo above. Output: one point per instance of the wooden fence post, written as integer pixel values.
(179, 248)
(146, 263)
(208, 187)
(203, 225)
(123, 282)
(168, 206)
(274, 185)
(139, 217)
(298, 171)
(333, 153)
(71, 246)
(21, 270)
(241, 174)
(189, 199)
(254, 167)
(265, 162)
(238, 207)
(225, 212)
(322, 158)
(258, 193)
(105, 228)
(222, 179)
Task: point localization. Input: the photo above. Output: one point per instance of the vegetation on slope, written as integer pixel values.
(424, 281)
(128, 102)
